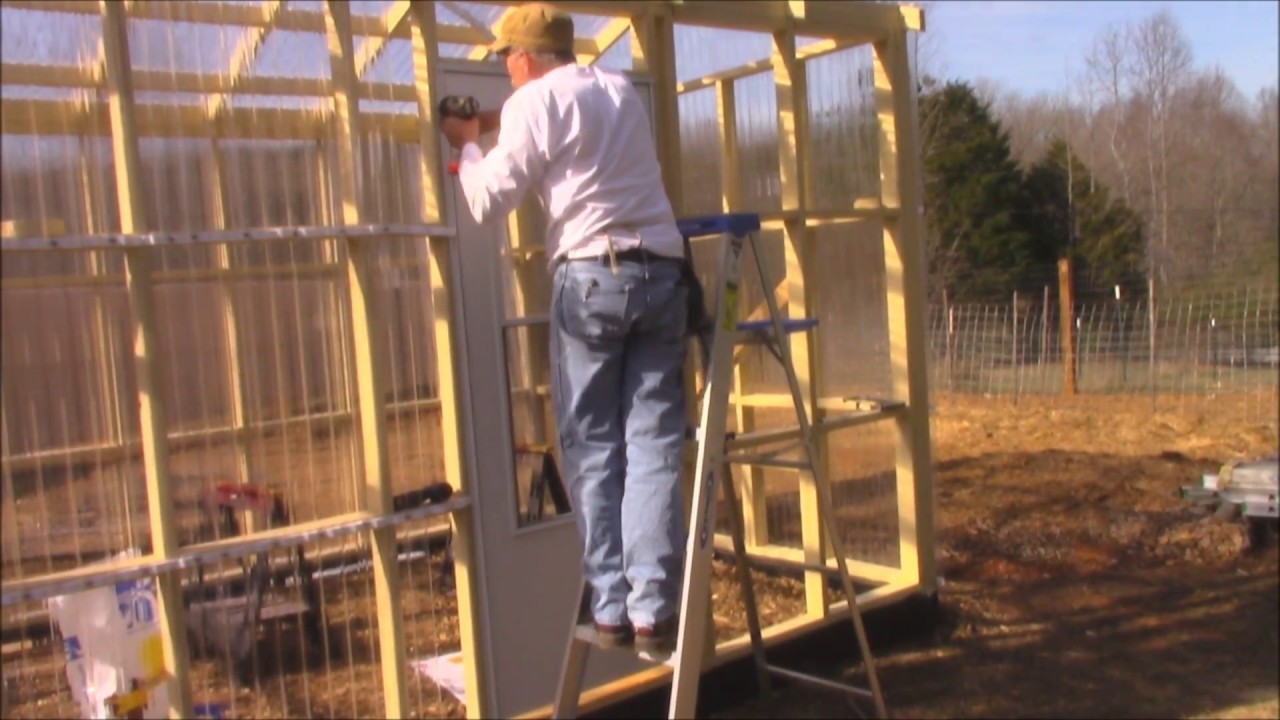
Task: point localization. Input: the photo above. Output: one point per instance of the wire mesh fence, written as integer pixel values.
(1187, 349)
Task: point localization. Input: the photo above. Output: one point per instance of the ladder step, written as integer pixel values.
(766, 461)
(587, 633)
(765, 327)
(820, 682)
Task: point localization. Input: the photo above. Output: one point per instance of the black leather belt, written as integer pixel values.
(633, 255)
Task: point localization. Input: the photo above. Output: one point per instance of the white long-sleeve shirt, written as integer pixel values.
(579, 137)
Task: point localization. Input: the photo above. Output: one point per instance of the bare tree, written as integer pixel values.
(1107, 70)
(1162, 60)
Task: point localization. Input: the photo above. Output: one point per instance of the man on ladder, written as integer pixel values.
(580, 136)
(619, 318)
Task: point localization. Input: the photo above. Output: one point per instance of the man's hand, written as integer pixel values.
(460, 132)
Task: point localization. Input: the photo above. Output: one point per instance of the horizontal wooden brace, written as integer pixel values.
(808, 52)
(32, 623)
(767, 460)
(115, 452)
(42, 587)
(779, 556)
(740, 647)
(208, 237)
(826, 425)
(62, 117)
(250, 15)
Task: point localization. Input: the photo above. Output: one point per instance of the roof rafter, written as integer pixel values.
(245, 53)
(610, 35)
(481, 52)
(372, 48)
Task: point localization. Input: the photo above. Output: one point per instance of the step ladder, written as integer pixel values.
(713, 462)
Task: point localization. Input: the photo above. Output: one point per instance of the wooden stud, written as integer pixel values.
(801, 288)
(900, 187)
(146, 352)
(1066, 313)
(752, 489)
(372, 49)
(218, 211)
(653, 52)
(609, 36)
(370, 362)
(481, 52)
(444, 331)
(243, 57)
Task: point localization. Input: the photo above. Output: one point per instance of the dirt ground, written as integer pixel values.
(1076, 582)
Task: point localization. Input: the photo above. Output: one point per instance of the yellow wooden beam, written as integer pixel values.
(913, 17)
(756, 67)
(610, 35)
(243, 57)
(444, 331)
(480, 52)
(900, 187)
(215, 13)
(860, 22)
(653, 52)
(369, 360)
(146, 351)
(801, 286)
(45, 117)
(392, 20)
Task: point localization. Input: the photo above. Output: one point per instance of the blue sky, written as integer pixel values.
(1034, 47)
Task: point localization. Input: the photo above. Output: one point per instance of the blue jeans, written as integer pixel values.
(618, 352)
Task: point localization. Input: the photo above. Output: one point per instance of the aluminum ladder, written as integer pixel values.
(713, 460)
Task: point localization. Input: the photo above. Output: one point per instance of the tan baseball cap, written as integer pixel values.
(537, 27)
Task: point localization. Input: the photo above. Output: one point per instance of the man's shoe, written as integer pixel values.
(659, 638)
(614, 636)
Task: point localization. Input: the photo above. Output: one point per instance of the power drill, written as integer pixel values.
(463, 107)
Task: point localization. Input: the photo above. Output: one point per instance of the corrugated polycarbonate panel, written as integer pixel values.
(46, 38)
(700, 153)
(757, 122)
(163, 44)
(843, 128)
(853, 317)
(702, 51)
(394, 65)
(618, 57)
(289, 53)
(36, 92)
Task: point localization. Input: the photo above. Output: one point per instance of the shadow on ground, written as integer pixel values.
(1077, 585)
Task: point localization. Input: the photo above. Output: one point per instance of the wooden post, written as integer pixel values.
(1017, 361)
(900, 189)
(426, 79)
(1066, 304)
(752, 489)
(370, 362)
(653, 51)
(1151, 325)
(230, 325)
(802, 290)
(1044, 337)
(146, 352)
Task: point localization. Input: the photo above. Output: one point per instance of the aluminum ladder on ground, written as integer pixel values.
(713, 460)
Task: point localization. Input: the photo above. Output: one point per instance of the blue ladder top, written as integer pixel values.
(737, 224)
(789, 325)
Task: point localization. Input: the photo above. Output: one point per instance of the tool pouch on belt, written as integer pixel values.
(698, 320)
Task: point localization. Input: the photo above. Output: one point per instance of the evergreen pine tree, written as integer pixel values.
(1078, 218)
(984, 239)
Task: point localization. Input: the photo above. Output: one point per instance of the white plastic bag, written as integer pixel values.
(111, 637)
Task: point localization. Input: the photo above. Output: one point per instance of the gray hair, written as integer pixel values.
(549, 59)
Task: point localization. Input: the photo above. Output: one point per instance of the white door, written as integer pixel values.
(531, 571)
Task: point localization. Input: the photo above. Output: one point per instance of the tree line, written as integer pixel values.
(1143, 167)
